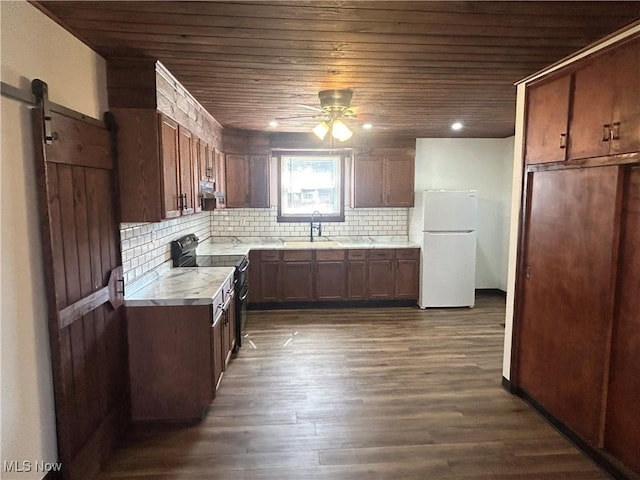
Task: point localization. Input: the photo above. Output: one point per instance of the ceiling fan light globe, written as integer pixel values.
(321, 130)
(340, 131)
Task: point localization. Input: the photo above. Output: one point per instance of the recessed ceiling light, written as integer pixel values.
(456, 126)
(273, 124)
(367, 126)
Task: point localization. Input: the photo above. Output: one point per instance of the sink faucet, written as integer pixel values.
(315, 225)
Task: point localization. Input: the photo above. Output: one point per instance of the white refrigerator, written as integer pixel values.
(444, 223)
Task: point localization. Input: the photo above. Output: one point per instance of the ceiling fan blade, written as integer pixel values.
(298, 116)
(317, 109)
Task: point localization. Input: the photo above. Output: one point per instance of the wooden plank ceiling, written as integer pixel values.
(414, 67)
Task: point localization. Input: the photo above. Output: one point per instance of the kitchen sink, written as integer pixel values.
(316, 244)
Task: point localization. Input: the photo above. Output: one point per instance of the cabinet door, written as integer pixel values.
(259, 181)
(237, 181)
(589, 133)
(357, 280)
(170, 172)
(622, 428)
(547, 121)
(381, 274)
(185, 160)
(331, 280)
(565, 319)
(398, 181)
(255, 283)
(367, 181)
(270, 282)
(198, 160)
(220, 178)
(231, 315)
(407, 273)
(297, 281)
(625, 120)
(217, 353)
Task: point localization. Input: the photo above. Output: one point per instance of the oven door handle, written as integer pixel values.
(244, 269)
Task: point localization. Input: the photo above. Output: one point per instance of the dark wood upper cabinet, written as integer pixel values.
(246, 180)
(383, 177)
(548, 120)
(367, 185)
(162, 150)
(246, 176)
(606, 116)
(259, 181)
(170, 170)
(237, 180)
(186, 168)
(160, 183)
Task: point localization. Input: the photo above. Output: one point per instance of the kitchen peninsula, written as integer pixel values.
(180, 341)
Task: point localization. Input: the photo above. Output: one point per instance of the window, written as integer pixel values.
(310, 182)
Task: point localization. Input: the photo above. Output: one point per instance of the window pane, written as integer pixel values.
(310, 183)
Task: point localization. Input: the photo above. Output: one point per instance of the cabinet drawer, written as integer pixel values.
(217, 307)
(327, 255)
(382, 254)
(227, 288)
(297, 255)
(357, 254)
(270, 255)
(407, 253)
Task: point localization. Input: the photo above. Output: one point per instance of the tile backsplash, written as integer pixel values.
(146, 246)
(262, 222)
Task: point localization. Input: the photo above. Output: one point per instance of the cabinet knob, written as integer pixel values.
(563, 140)
(606, 132)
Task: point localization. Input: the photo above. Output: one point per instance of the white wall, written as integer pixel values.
(485, 165)
(32, 47)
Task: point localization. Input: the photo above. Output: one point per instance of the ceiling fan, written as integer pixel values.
(335, 107)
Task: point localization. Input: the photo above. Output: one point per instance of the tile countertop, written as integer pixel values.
(181, 286)
(242, 246)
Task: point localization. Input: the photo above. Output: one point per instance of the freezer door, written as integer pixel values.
(448, 270)
(450, 211)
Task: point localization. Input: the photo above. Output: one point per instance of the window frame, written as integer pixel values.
(336, 217)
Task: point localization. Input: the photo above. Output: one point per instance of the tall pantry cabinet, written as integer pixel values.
(577, 317)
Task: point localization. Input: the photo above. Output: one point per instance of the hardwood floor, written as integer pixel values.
(389, 393)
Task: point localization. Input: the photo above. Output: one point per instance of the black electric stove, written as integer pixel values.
(183, 254)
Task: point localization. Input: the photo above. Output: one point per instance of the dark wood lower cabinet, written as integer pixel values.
(177, 356)
(407, 273)
(622, 427)
(280, 276)
(169, 362)
(381, 274)
(270, 282)
(297, 275)
(331, 275)
(217, 360)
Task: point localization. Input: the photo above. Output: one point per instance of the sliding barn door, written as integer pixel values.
(567, 296)
(83, 273)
